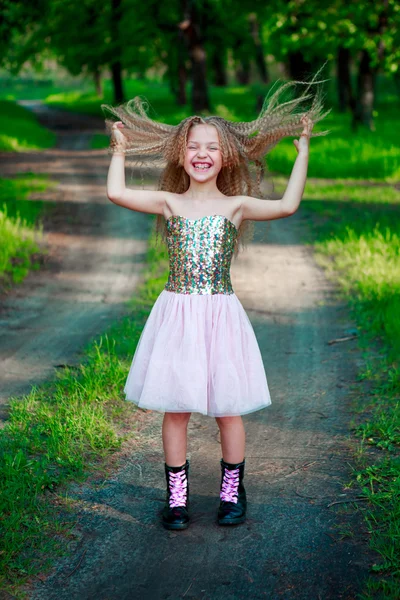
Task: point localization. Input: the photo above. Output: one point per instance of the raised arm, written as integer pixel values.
(266, 210)
(146, 201)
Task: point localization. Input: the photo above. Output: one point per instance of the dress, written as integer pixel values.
(198, 351)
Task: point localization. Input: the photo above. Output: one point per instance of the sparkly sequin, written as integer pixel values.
(200, 253)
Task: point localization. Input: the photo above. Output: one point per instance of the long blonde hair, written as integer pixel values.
(243, 144)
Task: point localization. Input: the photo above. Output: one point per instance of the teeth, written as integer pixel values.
(201, 167)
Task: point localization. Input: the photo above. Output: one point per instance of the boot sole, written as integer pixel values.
(176, 525)
(231, 521)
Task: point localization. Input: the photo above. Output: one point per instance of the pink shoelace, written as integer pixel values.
(229, 487)
(178, 488)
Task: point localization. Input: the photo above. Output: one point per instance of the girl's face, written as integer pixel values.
(203, 159)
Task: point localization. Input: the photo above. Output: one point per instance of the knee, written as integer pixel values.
(227, 422)
(177, 419)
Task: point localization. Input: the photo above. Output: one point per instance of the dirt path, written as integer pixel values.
(298, 459)
(96, 254)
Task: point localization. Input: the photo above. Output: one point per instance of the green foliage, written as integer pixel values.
(16, 191)
(318, 29)
(381, 485)
(32, 88)
(17, 249)
(369, 263)
(20, 131)
(21, 231)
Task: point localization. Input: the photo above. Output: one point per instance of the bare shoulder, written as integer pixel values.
(173, 202)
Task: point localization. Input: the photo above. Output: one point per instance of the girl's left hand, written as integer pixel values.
(303, 144)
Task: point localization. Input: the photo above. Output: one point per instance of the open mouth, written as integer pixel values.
(202, 166)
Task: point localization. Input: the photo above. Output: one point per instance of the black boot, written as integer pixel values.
(175, 514)
(233, 504)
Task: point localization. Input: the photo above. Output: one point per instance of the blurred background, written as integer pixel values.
(191, 56)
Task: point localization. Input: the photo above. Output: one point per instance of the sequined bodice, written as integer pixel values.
(200, 253)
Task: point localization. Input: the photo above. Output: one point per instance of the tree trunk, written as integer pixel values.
(97, 83)
(242, 72)
(219, 68)
(194, 40)
(116, 72)
(299, 69)
(345, 92)
(200, 99)
(242, 50)
(302, 70)
(116, 67)
(181, 97)
(176, 73)
(182, 74)
(366, 81)
(259, 51)
(365, 92)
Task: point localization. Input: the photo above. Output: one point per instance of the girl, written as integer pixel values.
(198, 351)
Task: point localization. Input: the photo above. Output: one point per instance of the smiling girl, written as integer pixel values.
(198, 351)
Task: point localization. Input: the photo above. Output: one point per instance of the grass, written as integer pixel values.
(21, 228)
(36, 87)
(359, 245)
(21, 233)
(20, 130)
(357, 241)
(63, 431)
(15, 193)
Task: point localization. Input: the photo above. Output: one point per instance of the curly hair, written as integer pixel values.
(243, 144)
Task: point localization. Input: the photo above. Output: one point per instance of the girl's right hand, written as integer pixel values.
(117, 134)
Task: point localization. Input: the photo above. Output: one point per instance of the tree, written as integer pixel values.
(192, 28)
(365, 33)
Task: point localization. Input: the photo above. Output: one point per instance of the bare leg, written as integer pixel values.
(174, 436)
(233, 438)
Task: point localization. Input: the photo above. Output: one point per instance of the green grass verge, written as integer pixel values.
(20, 130)
(63, 431)
(20, 232)
(358, 244)
(37, 87)
(21, 228)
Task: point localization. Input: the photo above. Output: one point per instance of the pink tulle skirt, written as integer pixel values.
(198, 353)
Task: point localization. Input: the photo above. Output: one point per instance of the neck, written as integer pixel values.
(202, 191)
